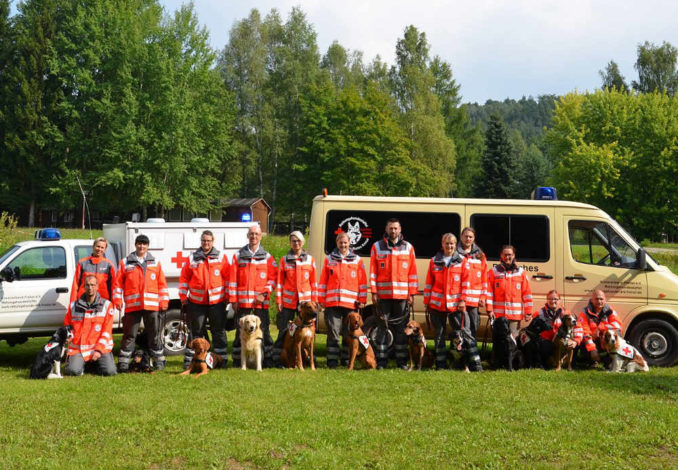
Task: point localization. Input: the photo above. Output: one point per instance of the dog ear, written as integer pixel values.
(241, 322)
(258, 321)
(360, 321)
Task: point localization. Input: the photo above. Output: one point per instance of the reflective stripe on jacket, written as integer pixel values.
(508, 293)
(393, 269)
(92, 326)
(103, 269)
(204, 279)
(296, 280)
(475, 286)
(343, 281)
(442, 291)
(142, 286)
(252, 274)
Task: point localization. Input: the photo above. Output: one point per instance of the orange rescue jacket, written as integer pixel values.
(343, 281)
(204, 279)
(92, 326)
(444, 282)
(393, 269)
(141, 285)
(591, 324)
(296, 280)
(103, 269)
(474, 288)
(508, 292)
(252, 274)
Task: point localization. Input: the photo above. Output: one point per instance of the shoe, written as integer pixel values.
(159, 365)
(380, 367)
(403, 367)
(123, 369)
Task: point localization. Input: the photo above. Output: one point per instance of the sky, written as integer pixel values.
(497, 49)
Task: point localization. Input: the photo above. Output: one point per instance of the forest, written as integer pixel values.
(130, 102)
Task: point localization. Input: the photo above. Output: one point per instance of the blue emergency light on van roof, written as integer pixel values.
(547, 193)
(246, 217)
(48, 234)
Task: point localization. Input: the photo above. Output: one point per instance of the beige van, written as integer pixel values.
(572, 247)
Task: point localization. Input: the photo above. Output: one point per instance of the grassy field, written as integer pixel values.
(332, 419)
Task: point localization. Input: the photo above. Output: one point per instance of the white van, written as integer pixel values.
(572, 247)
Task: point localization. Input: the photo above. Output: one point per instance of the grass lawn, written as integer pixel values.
(337, 419)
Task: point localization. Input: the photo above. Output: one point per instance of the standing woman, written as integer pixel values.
(474, 288)
(341, 290)
(296, 283)
(508, 293)
(99, 267)
(442, 295)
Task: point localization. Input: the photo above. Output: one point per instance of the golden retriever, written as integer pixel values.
(251, 340)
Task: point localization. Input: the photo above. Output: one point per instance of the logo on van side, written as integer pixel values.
(359, 233)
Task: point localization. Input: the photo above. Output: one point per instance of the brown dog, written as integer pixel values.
(300, 338)
(358, 344)
(202, 360)
(563, 343)
(420, 355)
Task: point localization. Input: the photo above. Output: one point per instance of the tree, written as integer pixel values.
(498, 164)
(612, 77)
(656, 66)
(413, 86)
(619, 151)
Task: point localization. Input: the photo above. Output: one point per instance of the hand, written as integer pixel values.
(491, 315)
(96, 355)
(260, 298)
(571, 343)
(481, 303)
(184, 301)
(360, 305)
(528, 317)
(374, 298)
(462, 306)
(410, 300)
(279, 306)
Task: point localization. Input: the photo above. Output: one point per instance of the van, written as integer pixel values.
(569, 246)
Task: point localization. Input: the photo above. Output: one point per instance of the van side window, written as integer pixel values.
(529, 234)
(48, 262)
(83, 251)
(422, 229)
(593, 242)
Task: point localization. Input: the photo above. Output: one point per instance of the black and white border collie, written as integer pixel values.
(47, 364)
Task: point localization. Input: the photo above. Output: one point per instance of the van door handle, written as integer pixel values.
(61, 290)
(575, 278)
(542, 276)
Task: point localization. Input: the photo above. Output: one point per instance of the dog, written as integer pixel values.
(299, 341)
(141, 359)
(251, 340)
(420, 355)
(465, 351)
(47, 364)
(504, 347)
(202, 360)
(563, 350)
(625, 357)
(530, 340)
(358, 344)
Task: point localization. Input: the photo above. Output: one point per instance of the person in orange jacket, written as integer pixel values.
(203, 288)
(296, 283)
(91, 317)
(393, 283)
(102, 268)
(342, 289)
(447, 272)
(475, 287)
(596, 318)
(509, 296)
(142, 286)
(253, 276)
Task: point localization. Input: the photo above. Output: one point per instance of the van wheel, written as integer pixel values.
(657, 341)
(174, 333)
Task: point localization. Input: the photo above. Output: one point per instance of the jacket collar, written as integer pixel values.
(290, 257)
(132, 258)
(390, 244)
(503, 268)
(552, 314)
(475, 251)
(245, 253)
(199, 255)
(336, 256)
(439, 258)
(605, 312)
(82, 303)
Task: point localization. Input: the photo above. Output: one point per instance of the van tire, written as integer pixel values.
(657, 341)
(174, 333)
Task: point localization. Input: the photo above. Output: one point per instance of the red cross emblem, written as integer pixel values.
(180, 259)
(626, 350)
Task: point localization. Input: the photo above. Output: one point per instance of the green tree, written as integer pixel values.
(498, 162)
(619, 151)
(413, 83)
(656, 66)
(612, 77)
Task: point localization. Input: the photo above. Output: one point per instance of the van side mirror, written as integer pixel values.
(641, 259)
(7, 274)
